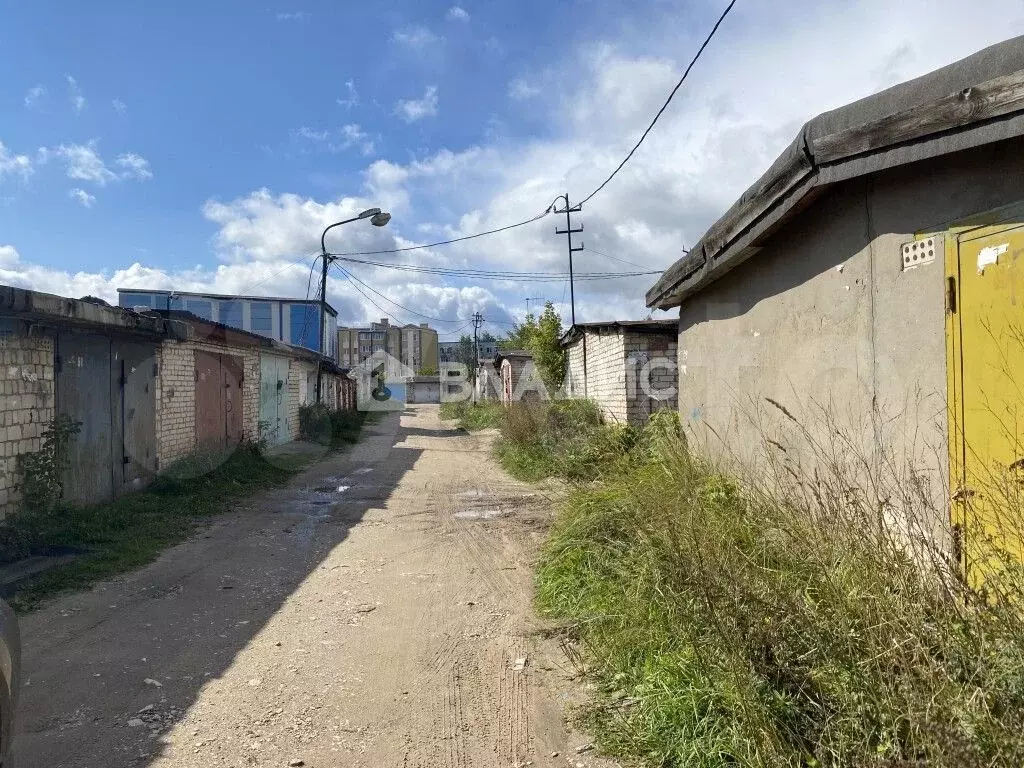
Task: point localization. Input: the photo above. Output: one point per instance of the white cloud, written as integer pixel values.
(353, 135)
(418, 38)
(83, 162)
(743, 104)
(34, 95)
(351, 97)
(119, 106)
(346, 137)
(82, 197)
(308, 133)
(294, 16)
(412, 110)
(520, 90)
(14, 165)
(135, 166)
(455, 13)
(78, 101)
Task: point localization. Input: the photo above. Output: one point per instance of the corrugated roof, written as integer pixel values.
(975, 101)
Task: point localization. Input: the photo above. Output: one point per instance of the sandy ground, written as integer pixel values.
(374, 613)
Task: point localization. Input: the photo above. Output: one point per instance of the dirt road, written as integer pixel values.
(374, 613)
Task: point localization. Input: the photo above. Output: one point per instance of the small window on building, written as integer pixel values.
(261, 318)
(305, 325)
(231, 313)
(200, 308)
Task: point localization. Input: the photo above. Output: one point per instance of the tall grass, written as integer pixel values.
(730, 623)
(473, 417)
(563, 438)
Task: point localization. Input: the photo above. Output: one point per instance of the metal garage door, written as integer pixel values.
(218, 401)
(273, 399)
(107, 387)
(134, 368)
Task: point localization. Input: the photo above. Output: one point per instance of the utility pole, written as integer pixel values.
(326, 262)
(478, 320)
(532, 298)
(569, 232)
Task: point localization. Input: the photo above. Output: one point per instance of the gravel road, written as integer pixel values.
(376, 612)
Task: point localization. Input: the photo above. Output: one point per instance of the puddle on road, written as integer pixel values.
(480, 514)
(364, 470)
(332, 488)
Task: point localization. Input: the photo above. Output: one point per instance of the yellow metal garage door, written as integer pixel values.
(986, 335)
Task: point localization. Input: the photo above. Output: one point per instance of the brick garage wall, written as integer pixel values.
(176, 395)
(640, 350)
(296, 374)
(175, 401)
(606, 372)
(26, 403)
(574, 370)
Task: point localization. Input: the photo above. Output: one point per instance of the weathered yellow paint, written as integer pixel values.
(985, 348)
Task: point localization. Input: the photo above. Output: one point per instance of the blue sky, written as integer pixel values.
(204, 146)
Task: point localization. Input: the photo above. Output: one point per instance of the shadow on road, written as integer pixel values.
(108, 672)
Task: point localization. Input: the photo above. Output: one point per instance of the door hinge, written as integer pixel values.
(951, 295)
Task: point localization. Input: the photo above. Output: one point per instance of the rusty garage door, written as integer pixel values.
(218, 401)
(107, 386)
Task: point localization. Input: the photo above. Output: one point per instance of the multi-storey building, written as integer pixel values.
(293, 321)
(414, 346)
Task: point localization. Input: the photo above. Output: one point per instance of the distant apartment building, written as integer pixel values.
(414, 345)
(293, 321)
(448, 351)
(419, 347)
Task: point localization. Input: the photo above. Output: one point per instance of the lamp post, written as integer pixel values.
(378, 218)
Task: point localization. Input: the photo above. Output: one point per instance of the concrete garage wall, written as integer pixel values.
(26, 402)
(824, 317)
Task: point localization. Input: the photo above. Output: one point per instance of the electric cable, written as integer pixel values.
(664, 106)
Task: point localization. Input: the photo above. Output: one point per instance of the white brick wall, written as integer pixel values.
(26, 405)
(615, 360)
(606, 372)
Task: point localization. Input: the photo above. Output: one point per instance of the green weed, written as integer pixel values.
(473, 416)
(133, 530)
(727, 625)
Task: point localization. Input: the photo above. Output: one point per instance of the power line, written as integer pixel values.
(664, 106)
(249, 286)
(453, 240)
(622, 261)
(494, 274)
(305, 308)
(351, 276)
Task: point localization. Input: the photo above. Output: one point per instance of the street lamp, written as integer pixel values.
(378, 218)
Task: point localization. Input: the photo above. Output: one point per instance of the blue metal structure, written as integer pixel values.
(293, 321)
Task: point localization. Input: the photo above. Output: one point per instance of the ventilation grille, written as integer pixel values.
(917, 253)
